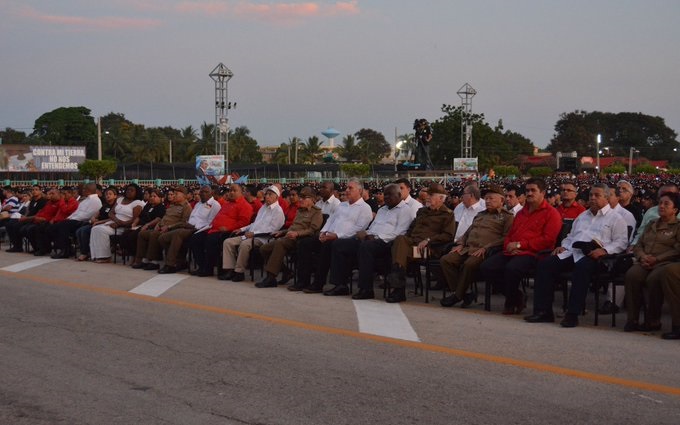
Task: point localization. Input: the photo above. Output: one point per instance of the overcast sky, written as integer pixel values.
(300, 67)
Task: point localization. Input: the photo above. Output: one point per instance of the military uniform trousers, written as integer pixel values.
(670, 284)
(313, 256)
(236, 252)
(175, 243)
(460, 270)
(148, 246)
(636, 278)
(274, 252)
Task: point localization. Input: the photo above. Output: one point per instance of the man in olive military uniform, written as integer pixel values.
(487, 231)
(433, 226)
(308, 220)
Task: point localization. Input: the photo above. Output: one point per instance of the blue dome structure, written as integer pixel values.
(331, 134)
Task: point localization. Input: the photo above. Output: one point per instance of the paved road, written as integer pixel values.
(77, 347)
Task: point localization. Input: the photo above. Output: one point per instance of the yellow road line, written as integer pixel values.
(541, 367)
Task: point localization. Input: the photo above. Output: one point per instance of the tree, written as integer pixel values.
(97, 169)
(372, 146)
(67, 126)
(206, 143)
(578, 130)
(348, 150)
(282, 154)
(242, 147)
(311, 150)
(12, 137)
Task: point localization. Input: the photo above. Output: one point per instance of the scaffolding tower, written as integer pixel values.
(221, 75)
(466, 93)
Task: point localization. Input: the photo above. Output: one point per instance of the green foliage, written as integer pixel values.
(578, 130)
(97, 169)
(673, 171)
(67, 126)
(348, 150)
(540, 172)
(615, 169)
(645, 169)
(311, 151)
(506, 170)
(492, 146)
(242, 147)
(356, 170)
(9, 136)
(282, 154)
(372, 146)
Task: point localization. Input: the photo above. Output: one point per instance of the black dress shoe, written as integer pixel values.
(396, 296)
(608, 308)
(167, 269)
(631, 327)
(570, 321)
(337, 290)
(40, 253)
(646, 327)
(285, 277)
(540, 317)
(312, 289)
(364, 294)
(467, 299)
(450, 301)
(238, 277)
(295, 287)
(267, 282)
(226, 275)
(203, 273)
(673, 334)
(58, 256)
(138, 265)
(14, 250)
(151, 266)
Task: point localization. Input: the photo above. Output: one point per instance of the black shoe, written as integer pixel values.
(58, 255)
(364, 294)
(151, 266)
(267, 282)
(337, 290)
(14, 250)
(312, 290)
(396, 296)
(570, 321)
(540, 317)
(295, 287)
(238, 277)
(227, 275)
(646, 327)
(203, 273)
(285, 277)
(167, 269)
(467, 299)
(450, 301)
(138, 265)
(673, 334)
(608, 308)
(631, 327)
(40, 253)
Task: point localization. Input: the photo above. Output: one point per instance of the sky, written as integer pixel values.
(303, 66)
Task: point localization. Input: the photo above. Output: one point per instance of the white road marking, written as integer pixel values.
(380, 318)
(157, 285)
(25, 265)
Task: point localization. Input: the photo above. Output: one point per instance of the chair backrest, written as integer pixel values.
(566, 228)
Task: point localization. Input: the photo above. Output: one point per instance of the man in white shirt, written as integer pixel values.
(466, 211)
(514, 198)
(391, 220)
(173, 242)
(88, 207)
(595, 233)
(328, 202)
(236, 249)
(405, 190)
(349, 218)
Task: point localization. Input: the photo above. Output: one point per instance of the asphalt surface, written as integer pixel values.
(76, 347)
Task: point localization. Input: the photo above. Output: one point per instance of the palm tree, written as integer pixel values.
(282, 154)
(189, 133)
(294, 143)
(205, 145)
(312, 149)
(348, 150)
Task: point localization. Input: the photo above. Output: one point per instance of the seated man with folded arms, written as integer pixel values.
(149, 252)
(350, 217)
(17, 229)
(174, 241)
(595, 233)
(308, 221)
(487, 231)
(433, 225)
(467, 210)
(236, 250)
(367, 246)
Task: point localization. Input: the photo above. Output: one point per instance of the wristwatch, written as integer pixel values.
(519, 245)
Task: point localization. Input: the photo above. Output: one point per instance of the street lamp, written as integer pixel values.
(397, 151)
(630, 160)
(597, 150)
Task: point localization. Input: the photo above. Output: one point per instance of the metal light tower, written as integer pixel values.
(221, 75)
(466, 93)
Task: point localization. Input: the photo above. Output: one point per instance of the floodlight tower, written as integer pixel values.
(466, 93)
(221, 75)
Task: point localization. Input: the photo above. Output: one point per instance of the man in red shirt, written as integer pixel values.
(206, 246)
(250, 193)
(36, 232)
(535, 229)
(293, 200)
(568, 207)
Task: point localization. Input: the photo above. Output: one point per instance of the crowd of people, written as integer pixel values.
(498, 231)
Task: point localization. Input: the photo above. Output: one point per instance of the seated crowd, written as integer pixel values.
(318, 234)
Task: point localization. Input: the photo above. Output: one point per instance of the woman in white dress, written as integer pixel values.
(127, 209)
